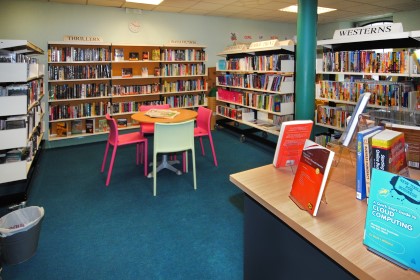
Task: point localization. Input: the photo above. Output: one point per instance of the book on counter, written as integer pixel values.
(292, 137)
(412, 141)
(388, 149)
(347, 136)
(311, 177)
(392, 227)
(360, 162)
(368, 158)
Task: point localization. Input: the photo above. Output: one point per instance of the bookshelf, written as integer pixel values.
(381, 60)
(21, 112)
(255, 87)
(117, 78)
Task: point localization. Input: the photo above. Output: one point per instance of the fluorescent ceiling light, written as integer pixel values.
(150, 2)
(294, 9)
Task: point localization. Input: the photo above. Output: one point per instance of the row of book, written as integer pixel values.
(267, 82)
(75, 91)
(189, 100)
(182, 69)
(268, 102)
(73, 72)
(33, 90)
(366, 61)
(119, 90)
(14, 57)
(235, 113)
(74, 127)
(57, 112)
(334, 116)
(383, 93)
(256, 63)
(71, 54)
(184, 85)
(182, 55)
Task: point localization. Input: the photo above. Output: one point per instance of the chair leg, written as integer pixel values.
(193, 162)
(154, 173)
(202, 146)
(145, 158)
(105, 157)
(111, 165)
(185, 161)
(138, 153)
(212, 149)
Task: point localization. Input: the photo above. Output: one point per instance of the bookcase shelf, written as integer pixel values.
(121, 78)
(21, 113)
(256, 86)
(384, 64)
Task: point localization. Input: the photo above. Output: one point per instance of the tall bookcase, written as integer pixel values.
(382, 62)
(255, 87)
(88, 80)
(21, 113)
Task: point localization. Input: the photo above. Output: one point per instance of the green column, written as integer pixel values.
(305, 59)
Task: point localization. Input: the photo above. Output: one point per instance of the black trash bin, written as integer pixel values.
(19, 231)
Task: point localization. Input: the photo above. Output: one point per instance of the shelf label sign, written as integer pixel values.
(83, 38)
(368, 31)
(237, 47)
(263, 44)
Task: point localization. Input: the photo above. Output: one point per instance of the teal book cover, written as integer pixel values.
(392, 228)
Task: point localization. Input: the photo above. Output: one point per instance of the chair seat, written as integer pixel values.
(129, 138)
(198, 131)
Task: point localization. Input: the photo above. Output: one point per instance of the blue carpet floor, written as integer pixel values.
(122, 232)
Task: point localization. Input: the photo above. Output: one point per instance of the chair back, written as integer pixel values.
(148, 107)
(113, 130)
(204, 118)
(174, 137)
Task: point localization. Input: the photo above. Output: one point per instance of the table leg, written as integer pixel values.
(166, 164)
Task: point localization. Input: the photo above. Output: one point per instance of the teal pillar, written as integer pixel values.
(307, 21)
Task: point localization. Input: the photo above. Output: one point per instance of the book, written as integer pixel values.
(367, 147)
(392, 227)
(145, 56)
(90, 125)
(76, 127)
(103, 125)
(127, 72)
(61, 129)
(412, 141)
(133, 56)
(119, 54)
(311, 177)
(388, 149)
(162, 113)
(122, 122)
(360, 162)
(347, 135)
(292, 137)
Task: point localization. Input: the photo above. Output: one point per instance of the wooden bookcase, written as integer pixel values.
(124, 77)
(382, 63)
(21, 113)
(256, 87)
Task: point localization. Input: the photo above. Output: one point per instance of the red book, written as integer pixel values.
(311, 176)
(292, 137)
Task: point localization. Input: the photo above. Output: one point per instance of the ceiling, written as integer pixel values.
(357, 10)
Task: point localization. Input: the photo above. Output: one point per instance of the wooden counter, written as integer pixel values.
(338, 228)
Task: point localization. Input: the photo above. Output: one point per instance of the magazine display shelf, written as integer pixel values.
(21, 112)
(256, 88)
(336, 87)
(123, 77)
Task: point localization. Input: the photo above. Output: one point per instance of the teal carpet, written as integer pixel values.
(122, 232)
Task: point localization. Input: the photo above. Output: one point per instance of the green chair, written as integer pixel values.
(172, 138)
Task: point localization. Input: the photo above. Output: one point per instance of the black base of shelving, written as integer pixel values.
(249, 132)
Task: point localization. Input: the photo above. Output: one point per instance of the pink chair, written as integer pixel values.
(116, 140)
(150, 127)
(203, 129)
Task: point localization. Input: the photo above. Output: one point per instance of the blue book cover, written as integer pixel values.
(360, 162)
(392, 228)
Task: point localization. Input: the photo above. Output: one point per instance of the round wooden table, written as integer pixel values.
(184, 115)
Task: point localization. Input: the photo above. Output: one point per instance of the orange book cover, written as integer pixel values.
(311, 177)
(292, 137)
